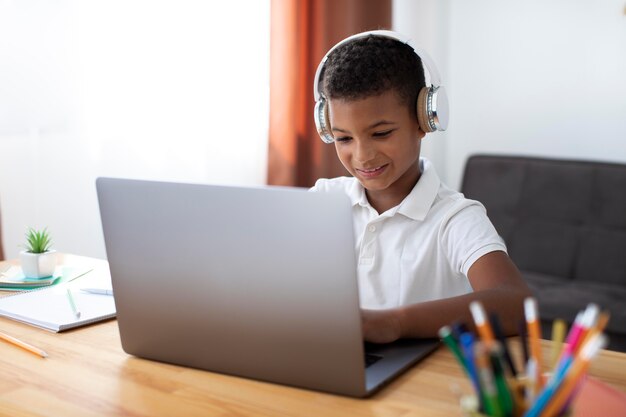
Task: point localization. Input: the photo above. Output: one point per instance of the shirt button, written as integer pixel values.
(372, 228)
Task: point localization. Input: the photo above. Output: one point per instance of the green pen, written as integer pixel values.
(445, 333)
(504, 393)
(490, 393)
(73, 304)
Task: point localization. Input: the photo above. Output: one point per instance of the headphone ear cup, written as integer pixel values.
(322, 123)
(422, 109)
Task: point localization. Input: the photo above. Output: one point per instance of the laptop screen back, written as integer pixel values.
(256, 282)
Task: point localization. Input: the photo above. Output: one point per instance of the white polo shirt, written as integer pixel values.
(421, 249)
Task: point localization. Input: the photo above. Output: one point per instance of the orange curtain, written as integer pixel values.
(301, 33)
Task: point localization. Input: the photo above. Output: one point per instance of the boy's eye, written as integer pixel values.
(343, 138)
(383, 134)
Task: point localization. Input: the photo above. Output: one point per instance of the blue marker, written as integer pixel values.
(548, 392)
(467, 344)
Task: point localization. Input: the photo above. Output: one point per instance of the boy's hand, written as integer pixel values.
(381, 326)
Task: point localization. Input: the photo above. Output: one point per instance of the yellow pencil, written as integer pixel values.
(558, 335)
(23, 345)
(534, 335)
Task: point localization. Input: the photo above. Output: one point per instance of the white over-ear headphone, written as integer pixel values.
(432, 102)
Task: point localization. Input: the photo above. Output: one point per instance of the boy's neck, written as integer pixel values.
(383, 200)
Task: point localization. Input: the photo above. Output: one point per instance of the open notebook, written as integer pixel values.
(53, 309)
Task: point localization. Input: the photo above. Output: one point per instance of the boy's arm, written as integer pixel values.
(497, 284)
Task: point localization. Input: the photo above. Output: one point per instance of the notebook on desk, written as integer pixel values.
(255, 282)
(53, 309)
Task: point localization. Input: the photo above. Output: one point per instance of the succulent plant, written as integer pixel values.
(38, 241)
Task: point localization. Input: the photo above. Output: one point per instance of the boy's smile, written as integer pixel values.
(378, 141)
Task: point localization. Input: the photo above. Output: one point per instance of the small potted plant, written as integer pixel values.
(38, 259)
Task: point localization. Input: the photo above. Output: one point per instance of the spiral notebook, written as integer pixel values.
(54, 309)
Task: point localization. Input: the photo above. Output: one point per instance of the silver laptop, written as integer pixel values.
(255, 282)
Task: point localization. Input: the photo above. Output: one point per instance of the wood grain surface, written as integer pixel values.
(88, 374)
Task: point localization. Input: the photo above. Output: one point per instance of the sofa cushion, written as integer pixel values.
(564, 300)
(558, 217)
(601, 256)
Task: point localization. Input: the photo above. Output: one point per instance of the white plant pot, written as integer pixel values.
(38, 265)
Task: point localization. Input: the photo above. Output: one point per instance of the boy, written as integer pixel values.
(424, 251)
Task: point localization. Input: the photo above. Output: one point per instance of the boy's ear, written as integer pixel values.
(420, 134)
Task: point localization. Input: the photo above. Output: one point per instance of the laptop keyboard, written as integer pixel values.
(371, 359)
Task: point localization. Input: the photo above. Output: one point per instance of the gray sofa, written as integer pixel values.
(564, 223)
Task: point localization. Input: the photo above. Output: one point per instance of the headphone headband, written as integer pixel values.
(435, 79)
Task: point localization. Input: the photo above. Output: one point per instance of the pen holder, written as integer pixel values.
(470, 404)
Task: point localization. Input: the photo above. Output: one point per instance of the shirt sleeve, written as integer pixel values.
(468, 234)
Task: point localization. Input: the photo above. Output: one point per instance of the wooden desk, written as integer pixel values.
(88, 374)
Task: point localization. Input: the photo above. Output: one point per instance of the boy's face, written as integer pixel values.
(378, 141)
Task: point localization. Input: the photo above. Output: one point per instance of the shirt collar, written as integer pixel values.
(421, 198)
(419, 201)
(356, 193)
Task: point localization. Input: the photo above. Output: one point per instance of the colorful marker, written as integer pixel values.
(487, 383)
(467, 344)
(497, 330)
(482, 325)
(573, 376)
(534, 335)
(590, 317)
(505, 397)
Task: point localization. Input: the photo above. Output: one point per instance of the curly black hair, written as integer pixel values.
(370, 66)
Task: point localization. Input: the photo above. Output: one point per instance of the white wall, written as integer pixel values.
(171, 90)
(535, 77)
(425, 22)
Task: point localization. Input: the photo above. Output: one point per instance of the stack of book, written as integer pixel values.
(13, 279)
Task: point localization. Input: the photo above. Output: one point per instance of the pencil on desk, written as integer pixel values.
(23, 345)
(73, 304)
(100, 291)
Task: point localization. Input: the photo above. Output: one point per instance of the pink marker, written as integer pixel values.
(584, 321)
(572, 336)
(587, 320)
